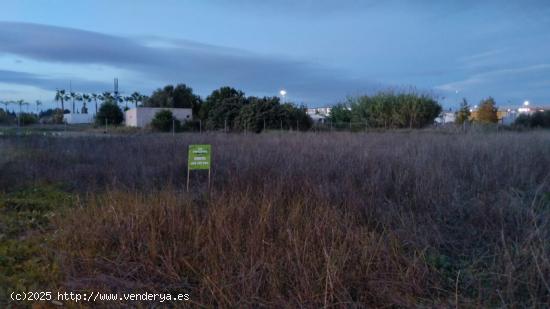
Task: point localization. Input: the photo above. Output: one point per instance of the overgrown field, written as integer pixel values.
(337, 219)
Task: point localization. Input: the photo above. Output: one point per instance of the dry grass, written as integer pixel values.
(313, 220)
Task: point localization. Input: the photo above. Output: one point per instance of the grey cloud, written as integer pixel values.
(44, 82)
(202, 66)
(57, 44)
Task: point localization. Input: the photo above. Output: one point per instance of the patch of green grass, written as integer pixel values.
(26, 261)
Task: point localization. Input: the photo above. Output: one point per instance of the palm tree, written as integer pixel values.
(38, 103)
(86, 99)
(79, 98)
(5, 103)
(21, 103)
(107, 96)
(96, 96)
(119, 100)
(61, 96)
(74, 96)
(136, 98)
(128, 99)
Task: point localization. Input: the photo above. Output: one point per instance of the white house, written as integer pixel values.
(319, 114)
(446, 117)
(142, 116)
(323, 111)
(78, 118)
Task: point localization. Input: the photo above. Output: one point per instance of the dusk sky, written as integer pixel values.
(319, 51)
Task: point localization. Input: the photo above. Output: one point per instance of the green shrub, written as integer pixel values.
(268, 112)
(395, 110)
(109, 112)
(26, 119)
(535, 120)
(523, 120)
(190, 126)
(5, 118)
(164, 121)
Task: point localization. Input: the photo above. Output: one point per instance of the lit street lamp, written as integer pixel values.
(283, 94)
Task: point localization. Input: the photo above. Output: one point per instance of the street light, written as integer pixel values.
(526, 103)
(283, 94)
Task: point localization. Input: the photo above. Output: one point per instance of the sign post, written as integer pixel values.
(199, 158)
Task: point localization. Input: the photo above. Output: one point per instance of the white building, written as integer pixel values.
(319, 114)
(446, 117)
(78, 118)
(142, 116)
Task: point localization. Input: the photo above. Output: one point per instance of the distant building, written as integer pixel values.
(324, 111)
(78, 118)
(502, 114)
(142, 116)
(531, 110)
(446, 117)
(508, 117)
(319, 114)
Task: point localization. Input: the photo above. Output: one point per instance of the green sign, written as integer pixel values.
(199, 157)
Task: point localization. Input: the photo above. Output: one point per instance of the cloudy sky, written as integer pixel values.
(320, 51)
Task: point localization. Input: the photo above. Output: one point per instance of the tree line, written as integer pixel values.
(62, 96)
(227, 108)
(538, 119)
(487, 113)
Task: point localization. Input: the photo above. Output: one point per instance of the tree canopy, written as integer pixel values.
(487, 111)
(340, 112)
(394, 110)
(268, 113)
(110, 113)
(180, 96)
(463, 114)
(536, 120)
(221, 107)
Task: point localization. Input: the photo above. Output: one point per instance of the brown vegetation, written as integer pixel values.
(404, 219)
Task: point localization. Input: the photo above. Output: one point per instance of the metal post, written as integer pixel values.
(187, 178)
(200, 126)
(208, 179)
(281, 125)
(173, 126)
